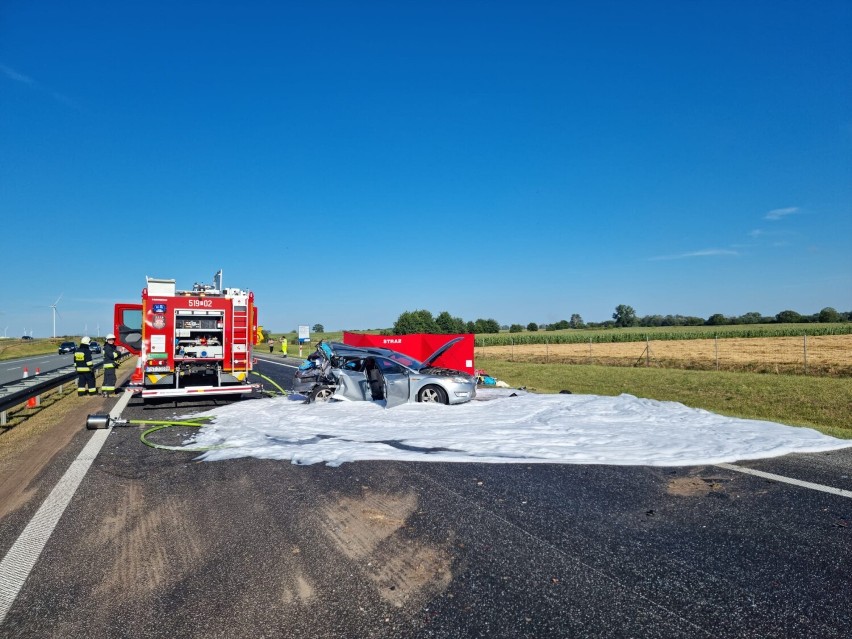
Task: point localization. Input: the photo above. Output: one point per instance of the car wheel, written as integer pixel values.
(320, 394)
(433, 395)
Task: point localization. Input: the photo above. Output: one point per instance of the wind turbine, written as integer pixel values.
(55, 313)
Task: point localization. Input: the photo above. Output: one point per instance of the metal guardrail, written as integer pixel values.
(16, 393)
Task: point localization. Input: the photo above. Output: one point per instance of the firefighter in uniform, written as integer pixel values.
(111, 356)
(85, 368)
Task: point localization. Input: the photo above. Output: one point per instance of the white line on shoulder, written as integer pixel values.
(787, 480)
(272, 361)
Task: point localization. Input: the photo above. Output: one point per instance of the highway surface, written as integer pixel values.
(12, 370)
(157, 544)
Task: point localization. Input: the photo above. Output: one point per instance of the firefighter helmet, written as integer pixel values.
(86, 340)
(110, 336)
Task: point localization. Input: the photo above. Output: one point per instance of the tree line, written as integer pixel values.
(624, 315)
(422, 321)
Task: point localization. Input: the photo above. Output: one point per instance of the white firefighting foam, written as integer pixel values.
(500, 428)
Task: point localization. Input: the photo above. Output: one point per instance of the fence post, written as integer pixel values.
(512, 342)
(716, 349)
(546, 351)
(805, 347)
(647, 351)
(591, 360)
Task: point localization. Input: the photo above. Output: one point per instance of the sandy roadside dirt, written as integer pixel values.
(28, 447)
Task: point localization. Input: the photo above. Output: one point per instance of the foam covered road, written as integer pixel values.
(158, 544)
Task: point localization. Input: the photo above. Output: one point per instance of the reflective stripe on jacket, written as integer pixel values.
(111, 356)
(83, 359)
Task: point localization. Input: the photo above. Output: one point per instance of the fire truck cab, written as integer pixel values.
(189, 343)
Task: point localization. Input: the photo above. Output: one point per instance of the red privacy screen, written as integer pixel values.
(420, 346)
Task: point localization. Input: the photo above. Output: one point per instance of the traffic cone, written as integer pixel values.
(38, 370)
(32, 402)
(136, 379)
(26, 372)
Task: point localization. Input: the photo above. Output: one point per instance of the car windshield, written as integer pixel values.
(405, 360)
(349, 351)
(65, 344)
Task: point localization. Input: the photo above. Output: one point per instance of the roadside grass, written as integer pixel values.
(822, 403)
(29, 423)
(15, 348)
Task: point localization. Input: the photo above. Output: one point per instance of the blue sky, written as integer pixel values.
(521, 161)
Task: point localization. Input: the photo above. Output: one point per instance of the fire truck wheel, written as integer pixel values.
(321, 394)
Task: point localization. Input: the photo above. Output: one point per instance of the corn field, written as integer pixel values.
(807, 354)
(637, 334)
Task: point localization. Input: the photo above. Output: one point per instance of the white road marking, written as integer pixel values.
(787, 480)
(22, 556)
(272, 361)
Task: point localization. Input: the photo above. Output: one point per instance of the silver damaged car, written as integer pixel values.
(350, 373)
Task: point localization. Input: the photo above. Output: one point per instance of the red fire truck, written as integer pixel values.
(189, 343)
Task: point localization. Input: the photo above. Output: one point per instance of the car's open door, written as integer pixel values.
(396, 382)
(352, 385)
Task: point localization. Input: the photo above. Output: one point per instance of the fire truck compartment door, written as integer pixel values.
(128, 326)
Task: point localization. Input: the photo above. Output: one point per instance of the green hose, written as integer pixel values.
(160, 425)
(198, 422)
(271, 381)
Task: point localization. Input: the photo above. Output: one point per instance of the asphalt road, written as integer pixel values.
(12, 370)
(157, 544)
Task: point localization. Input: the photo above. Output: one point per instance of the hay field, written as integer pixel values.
(814, 355)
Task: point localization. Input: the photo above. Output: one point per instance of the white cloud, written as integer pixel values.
(14, 75)
(701, 253)
(777, 214)
(20, 77)
(766, 234)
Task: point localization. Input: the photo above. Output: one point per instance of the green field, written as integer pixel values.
(819, 402)
(14, 348)
(639, 334)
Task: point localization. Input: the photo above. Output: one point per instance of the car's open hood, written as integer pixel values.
(430, 361)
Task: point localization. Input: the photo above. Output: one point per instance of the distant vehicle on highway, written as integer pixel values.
(27, 337)
(67, 347)
(94, 347)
